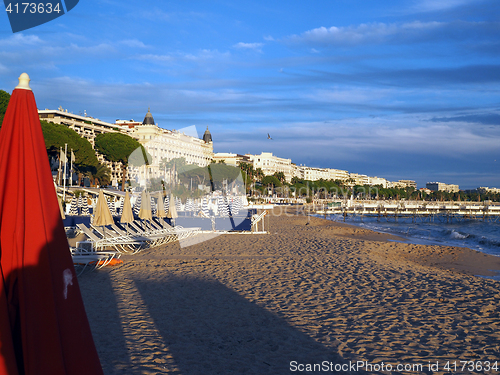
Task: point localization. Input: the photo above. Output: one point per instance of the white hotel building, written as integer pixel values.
(163, 144)
(271, 164)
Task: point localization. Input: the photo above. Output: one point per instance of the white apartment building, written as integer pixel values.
(337, 174)
(358, 179)
(441, 186)
(484, 189)
(271, 164)
(378, 181)
(402, 184)
(231, 159)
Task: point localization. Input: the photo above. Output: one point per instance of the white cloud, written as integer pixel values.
(201, 55)
(19, 39)
(349, 95)
(134, 43)
(155, 58)
(362, 34)
(437, 5)
(249, 46)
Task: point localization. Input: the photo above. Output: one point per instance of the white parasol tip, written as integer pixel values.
(24, 82)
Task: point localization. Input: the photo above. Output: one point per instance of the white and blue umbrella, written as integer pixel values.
(73, 206)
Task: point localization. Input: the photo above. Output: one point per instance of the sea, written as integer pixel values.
(477, 234)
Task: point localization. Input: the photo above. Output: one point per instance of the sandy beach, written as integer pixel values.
(310, 292)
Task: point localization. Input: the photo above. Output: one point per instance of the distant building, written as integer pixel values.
(483, 190)
(407, 183)
(271, 164)
(312, 174)
(164, 145)
(358, 179)
(441, 186)
(378, 181)
(231, 159)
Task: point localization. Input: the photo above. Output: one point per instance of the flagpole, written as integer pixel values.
(71, 170)
(60, 166)
(65, 165)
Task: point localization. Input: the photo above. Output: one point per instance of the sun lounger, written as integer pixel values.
(85, 258)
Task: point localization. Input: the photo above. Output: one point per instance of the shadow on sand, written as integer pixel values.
(206, 327)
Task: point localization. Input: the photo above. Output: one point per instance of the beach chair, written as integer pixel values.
(101, 241)
(85, 258)
(121, 241)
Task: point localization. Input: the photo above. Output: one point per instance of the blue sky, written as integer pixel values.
(401, 90)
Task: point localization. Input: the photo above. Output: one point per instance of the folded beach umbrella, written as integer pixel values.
(189, 205)
(85, 209)
(166, 201)
(172, 210)
(43, 324)
(235, 205)
(137, 205)
(222, 208)
(160, 212)
(153, 205)
(120, 204)
(204, 207)
(178, 204)
(127, 214)
(111, 205)
(80, 203)
(73, 206)
(102, 215)
(145, 211)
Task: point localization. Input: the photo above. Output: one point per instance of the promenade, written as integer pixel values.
(408, 209)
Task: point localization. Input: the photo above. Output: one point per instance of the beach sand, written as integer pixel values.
(309, 291)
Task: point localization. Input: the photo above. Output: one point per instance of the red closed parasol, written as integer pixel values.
(43, 324)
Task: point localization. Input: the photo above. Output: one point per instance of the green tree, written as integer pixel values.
(56, 136)
(4, 102)
(102, 175)
(221, 174)
(259, 174)
(280, 176)
(176, 163)
(118, 147)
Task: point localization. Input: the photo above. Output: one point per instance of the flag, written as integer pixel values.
(62, 156)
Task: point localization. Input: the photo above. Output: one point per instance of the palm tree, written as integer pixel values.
(99, 176)
(259, 174)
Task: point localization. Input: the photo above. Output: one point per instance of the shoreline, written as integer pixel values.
(454, 258)
(311, 290)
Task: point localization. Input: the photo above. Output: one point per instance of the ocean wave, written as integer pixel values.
(458, 236)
